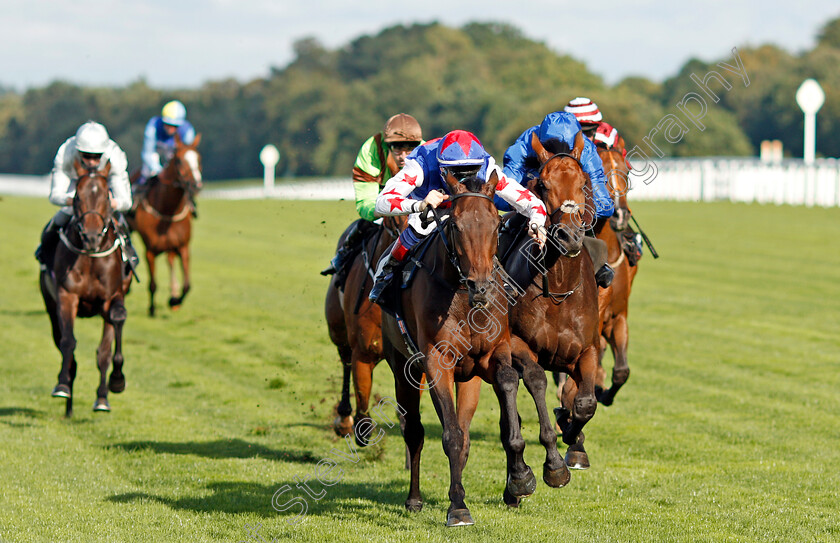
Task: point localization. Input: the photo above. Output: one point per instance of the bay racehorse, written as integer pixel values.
(613, 301)
(459, 335)
(163, 217)
(355, 325)
(87, 277)
(554, 324)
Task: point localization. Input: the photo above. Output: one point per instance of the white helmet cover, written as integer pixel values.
(92, 137)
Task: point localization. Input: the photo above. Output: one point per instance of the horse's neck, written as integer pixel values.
(169, 191)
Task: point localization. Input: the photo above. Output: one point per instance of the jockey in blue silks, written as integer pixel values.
(521, 164)
(159, 143)
(421, 183)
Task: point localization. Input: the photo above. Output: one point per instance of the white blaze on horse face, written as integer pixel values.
(191, 158)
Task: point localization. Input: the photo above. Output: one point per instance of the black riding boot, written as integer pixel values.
(598, 252)
(49, 242)
(130, 253)
(384, 275)
(348, 248)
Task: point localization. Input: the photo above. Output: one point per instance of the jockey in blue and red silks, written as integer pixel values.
(558, 131)
(420, 184)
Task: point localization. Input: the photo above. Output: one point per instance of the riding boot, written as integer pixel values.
(130, 253)
(49, 242)
(598, 252)
(194, 207)
(348, 248)
(384, 275)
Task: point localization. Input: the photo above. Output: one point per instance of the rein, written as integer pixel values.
(93, 254)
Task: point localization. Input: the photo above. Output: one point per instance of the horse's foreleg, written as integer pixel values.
(103, 360)
(68, 305)
(621, 370)
(150, 262)
(174, 302)
(118, 315)
(453, 439)
(555, 472)
(579, 406)
(362, 382)
(520, 480)
(466, 402)
(184, 253)
(343, 423)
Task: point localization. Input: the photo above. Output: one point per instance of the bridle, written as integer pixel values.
(77, 222)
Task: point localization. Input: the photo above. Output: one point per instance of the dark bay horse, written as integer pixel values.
(163, 218)
(613, 301)
(554, 325)
(87, 278)
(453, 313)
(355, 326)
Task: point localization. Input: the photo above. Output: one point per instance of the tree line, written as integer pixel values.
(484, 77)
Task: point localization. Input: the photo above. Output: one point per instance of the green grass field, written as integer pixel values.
(726, 431)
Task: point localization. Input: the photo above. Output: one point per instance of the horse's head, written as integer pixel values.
(92, 213)
(473, 227)
(186, 165)
(618, 183)
(395, 224)
(564, 188)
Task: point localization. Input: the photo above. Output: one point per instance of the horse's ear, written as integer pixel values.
(196, 140)
(178, 141)
(107, 170)
(454, 186)
(80, 170)
(577, 151)
(490, 185)
(538, 148)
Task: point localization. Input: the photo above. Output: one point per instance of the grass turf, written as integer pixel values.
(726, 430)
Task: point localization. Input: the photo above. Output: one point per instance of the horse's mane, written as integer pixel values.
(473, 183)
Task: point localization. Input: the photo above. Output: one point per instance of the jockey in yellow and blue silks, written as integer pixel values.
(558, 131)
(421, 183)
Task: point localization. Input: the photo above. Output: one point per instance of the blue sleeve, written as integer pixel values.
(501, 205)
(149, 140)
(514, 160)
(187, 132)
(592, 165)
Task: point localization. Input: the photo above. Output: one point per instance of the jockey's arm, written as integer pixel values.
(60, 178)
(394, 200)
(516, 155)
(523, 202)
(118, 182)
(593, 167)
(366, 173)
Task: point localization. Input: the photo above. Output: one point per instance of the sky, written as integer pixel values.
(184, 43)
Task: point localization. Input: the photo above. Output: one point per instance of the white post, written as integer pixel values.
(810, 98)
(269, 156)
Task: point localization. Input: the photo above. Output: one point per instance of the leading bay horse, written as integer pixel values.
(355, 325)
(163, 218)
(460, 335)
(554, 324)
(87, 277)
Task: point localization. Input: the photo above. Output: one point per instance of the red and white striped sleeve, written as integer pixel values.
(520, 198)
(393, 199)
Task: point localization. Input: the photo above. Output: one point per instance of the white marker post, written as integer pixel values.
(810, 98)
(269, 156)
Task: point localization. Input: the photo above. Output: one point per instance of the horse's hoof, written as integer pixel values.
(556, 478)
(577, 460)
(524, 487)
(116, 385)
(413, 506)
(152, 311)
(343, 426)
(174, 303)
(459, 517)
(61, 391)
(510, 500)
(603, 395)
(101, 404)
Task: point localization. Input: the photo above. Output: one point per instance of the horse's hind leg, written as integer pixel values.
(67, 307)
(408, 397)
(621, 370)
(103, 360)
(118, 314)
(150, 261)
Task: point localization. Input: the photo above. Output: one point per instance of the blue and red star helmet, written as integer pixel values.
(461, 148)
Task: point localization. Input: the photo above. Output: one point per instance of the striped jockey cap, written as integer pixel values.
(584, 109)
